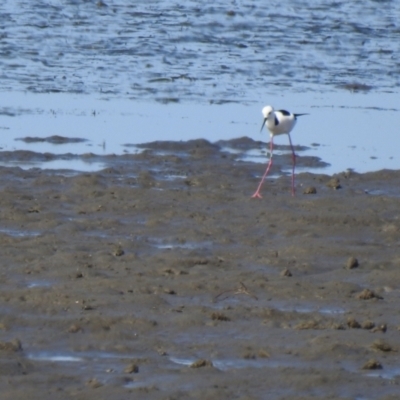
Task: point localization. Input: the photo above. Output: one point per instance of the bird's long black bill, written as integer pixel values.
(262, 126)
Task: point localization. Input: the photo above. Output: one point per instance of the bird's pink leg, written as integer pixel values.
(257, 192)
(294, 164)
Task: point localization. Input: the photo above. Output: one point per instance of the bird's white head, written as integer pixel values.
(267, 110)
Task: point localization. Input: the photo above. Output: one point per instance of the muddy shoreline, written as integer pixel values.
(160, 278)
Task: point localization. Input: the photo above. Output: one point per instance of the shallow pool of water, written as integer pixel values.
(346, 130)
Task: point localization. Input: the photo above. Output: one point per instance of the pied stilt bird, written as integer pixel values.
(278, 122)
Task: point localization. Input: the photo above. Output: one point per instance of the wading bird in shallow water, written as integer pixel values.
(278, 122)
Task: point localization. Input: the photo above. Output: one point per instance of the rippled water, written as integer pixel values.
(129, 72)
(198, 51)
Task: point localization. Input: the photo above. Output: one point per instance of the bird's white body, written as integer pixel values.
(278, 122)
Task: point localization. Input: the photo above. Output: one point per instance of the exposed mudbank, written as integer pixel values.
(128, 280)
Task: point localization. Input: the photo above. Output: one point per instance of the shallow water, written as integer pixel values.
(346, 130)
(219, 52)
(116, 74)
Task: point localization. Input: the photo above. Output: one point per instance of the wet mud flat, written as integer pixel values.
(159, 277)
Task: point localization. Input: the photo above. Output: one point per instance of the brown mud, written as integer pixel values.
(161, 278)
